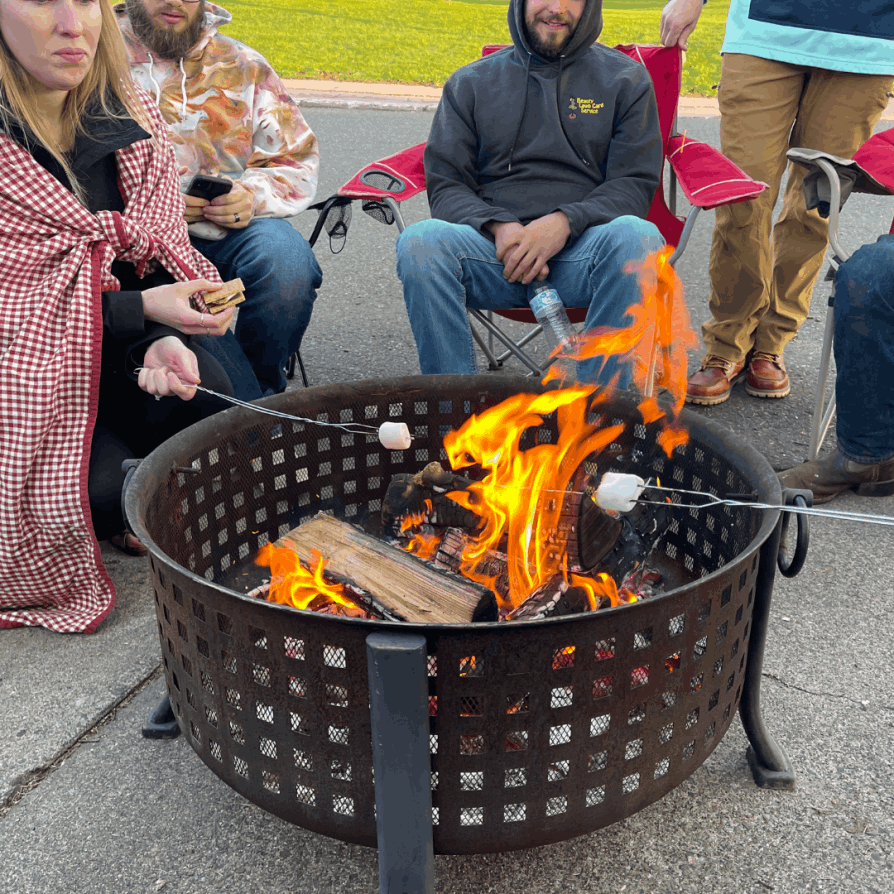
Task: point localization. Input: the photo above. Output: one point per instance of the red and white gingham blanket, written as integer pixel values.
(55, 260)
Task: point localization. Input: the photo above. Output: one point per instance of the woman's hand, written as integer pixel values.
(170, 305)
(169, 367)
(194, 208)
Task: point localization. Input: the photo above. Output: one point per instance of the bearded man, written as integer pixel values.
(230, 116)
(543, 160)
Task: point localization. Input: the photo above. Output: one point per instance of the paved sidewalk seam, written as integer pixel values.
(26, 782)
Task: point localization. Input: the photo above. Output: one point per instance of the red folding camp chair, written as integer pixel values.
(708, 179)
(826, 187)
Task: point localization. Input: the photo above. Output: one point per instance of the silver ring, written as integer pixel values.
(236, 217)
(203, 319)
(158, 397)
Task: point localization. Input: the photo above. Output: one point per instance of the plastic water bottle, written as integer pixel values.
(549, 311)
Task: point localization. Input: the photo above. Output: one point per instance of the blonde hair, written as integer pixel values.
(107, 80)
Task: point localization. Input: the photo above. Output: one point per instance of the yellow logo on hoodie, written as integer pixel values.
(586, 106)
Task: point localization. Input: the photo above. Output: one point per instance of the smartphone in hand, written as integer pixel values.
(205, 187)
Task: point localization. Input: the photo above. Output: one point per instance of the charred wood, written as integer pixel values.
(421, 499)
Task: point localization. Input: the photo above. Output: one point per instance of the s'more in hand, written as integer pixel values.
(228, 295)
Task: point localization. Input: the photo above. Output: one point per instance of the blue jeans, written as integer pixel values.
(447, 267)
(281, 278)
(864, 353)
(227, 352)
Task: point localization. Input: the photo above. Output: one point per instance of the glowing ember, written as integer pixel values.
(291, 583)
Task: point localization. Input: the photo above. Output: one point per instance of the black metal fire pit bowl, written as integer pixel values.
(559, 727)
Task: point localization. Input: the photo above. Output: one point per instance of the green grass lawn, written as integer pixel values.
(423, 41)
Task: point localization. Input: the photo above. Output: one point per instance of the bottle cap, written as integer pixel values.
(394, 435)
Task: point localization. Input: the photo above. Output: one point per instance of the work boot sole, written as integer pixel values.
(875, 489)
(757, 392)
(867, 489)
(709, 401)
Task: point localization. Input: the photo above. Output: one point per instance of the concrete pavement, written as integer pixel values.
(87, 805)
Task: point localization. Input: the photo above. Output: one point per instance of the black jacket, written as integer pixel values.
(516, 137)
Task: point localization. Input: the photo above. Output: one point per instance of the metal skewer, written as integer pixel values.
(711, 500)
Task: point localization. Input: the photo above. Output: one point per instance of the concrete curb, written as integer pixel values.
(413, 98)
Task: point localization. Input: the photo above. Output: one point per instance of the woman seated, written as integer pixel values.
(99, 285)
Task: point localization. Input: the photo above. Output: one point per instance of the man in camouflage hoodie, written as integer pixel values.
(230, 116)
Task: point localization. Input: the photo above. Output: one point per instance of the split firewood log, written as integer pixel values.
(553, 598)
(408, 588)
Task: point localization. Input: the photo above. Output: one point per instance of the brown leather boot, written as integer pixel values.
(834, 474)
(767, 376)
(713, 381)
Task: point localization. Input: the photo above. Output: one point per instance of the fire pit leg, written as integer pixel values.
(769, 763)
(398, 699)
(162, 724)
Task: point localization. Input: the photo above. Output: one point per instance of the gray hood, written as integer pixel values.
(588, 30)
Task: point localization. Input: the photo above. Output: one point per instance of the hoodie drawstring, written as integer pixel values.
(182, 88)
(158, 86)
(152, 78)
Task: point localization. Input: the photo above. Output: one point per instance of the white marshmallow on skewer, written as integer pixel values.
(618, 491)
(394, 435)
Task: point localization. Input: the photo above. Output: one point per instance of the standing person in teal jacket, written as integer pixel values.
(543, 160)
(811, 73)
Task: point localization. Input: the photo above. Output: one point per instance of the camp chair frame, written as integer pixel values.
(827, 185)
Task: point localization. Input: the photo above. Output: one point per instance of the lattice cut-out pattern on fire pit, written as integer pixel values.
(538, 731)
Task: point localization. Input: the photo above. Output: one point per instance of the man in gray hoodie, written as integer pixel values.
(542, 161)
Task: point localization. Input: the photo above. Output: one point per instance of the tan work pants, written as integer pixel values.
(762, 276)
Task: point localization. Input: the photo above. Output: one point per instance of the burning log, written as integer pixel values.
(492, 569)
(590, 532)
(403, 584)
(554, 598)
(422, 499)
(639, 536)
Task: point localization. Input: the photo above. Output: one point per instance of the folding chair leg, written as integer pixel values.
(487, 348)
(295, 360)
(508, 343)
(525, 339)
(822, 419)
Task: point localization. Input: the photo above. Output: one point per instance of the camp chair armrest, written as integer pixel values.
(707, 177)
(808, 158)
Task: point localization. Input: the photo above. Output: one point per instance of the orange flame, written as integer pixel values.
(523, 491)
(421, 544)
(656, 343)
(291, 583)
(601, 587)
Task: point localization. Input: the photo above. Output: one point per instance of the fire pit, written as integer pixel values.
(539, 730)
